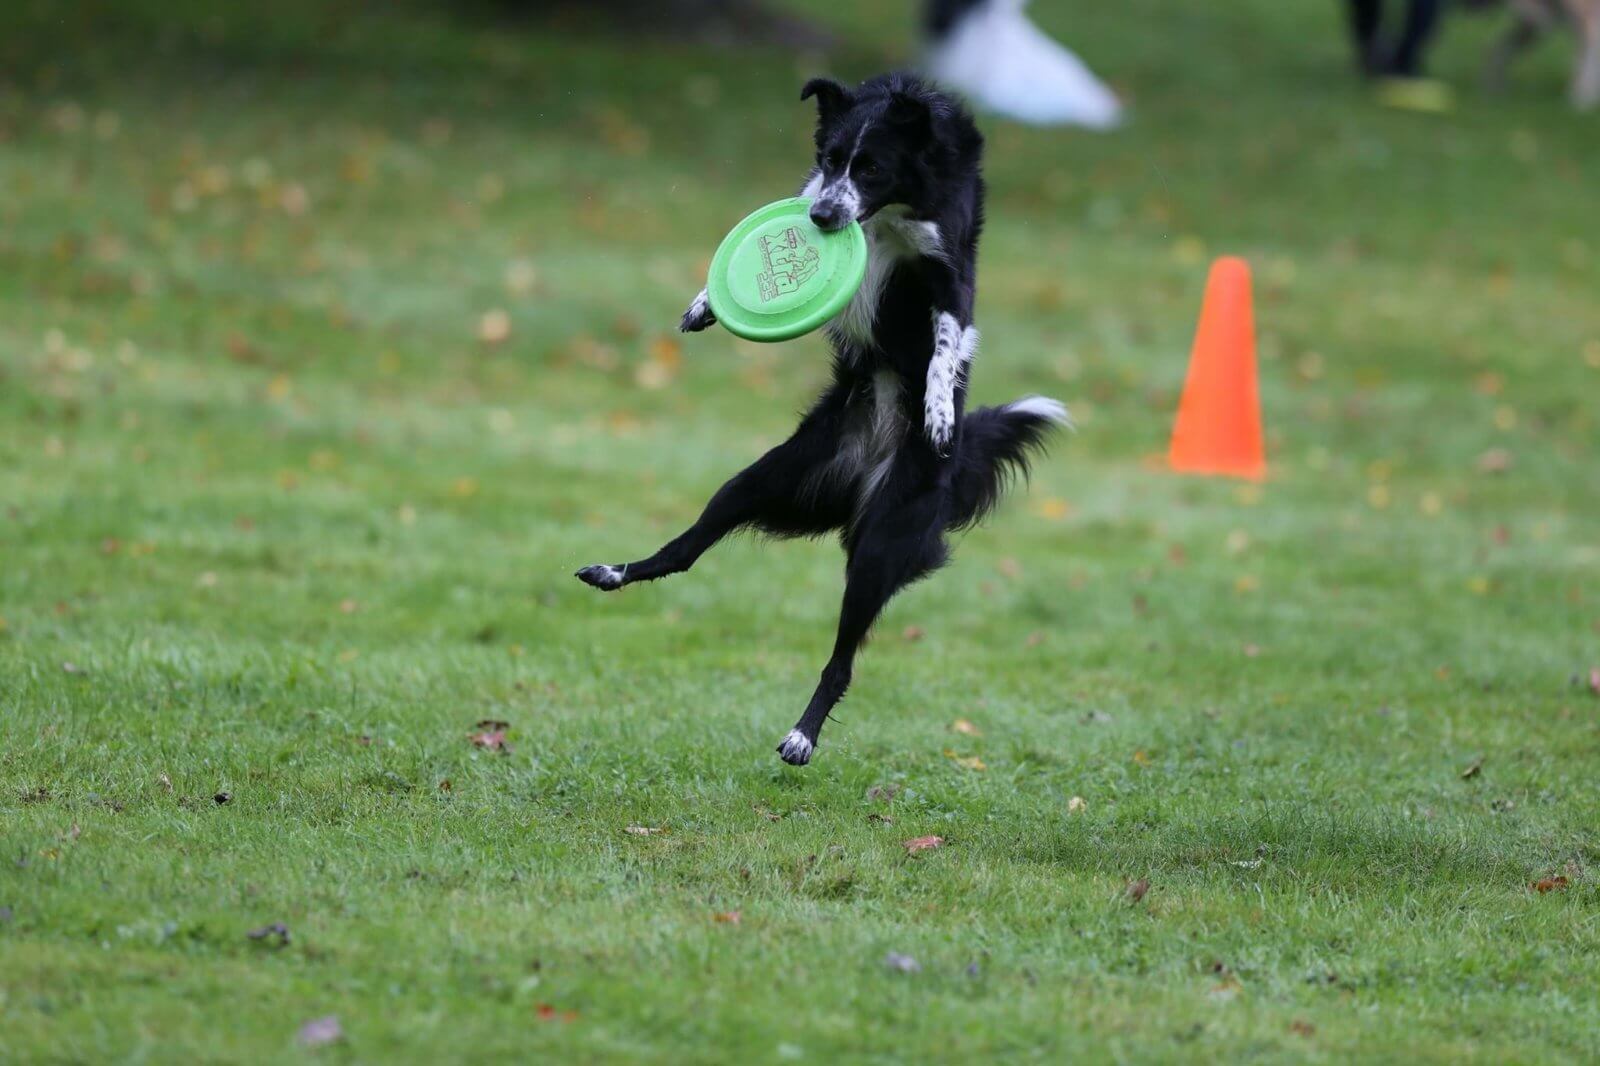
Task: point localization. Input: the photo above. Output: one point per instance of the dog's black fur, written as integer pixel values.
(887, 455)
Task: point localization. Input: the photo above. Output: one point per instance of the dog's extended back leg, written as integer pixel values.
(767, 492)
(887, 553)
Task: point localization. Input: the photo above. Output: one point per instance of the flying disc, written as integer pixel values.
(776, 275)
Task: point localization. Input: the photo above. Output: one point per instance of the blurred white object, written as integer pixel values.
(996, 56)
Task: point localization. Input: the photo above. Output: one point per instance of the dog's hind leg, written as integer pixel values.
(890, 547)
(767, 493)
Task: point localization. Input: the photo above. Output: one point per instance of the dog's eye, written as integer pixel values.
(868, 170)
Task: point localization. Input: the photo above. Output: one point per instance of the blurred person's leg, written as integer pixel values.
(1404, 57)
(1422, 18)
(1366, 20)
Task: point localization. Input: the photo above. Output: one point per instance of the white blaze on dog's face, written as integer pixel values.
(870, 152)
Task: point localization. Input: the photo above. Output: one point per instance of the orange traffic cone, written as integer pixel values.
(1218, 430)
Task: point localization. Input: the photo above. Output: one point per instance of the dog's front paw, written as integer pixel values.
(698, 316)
(603, 576)
(796, 748)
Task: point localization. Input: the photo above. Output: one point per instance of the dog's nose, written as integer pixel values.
(827, 215)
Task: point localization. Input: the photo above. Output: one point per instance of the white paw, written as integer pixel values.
(603, 576)
(796, 749)
(698, 316)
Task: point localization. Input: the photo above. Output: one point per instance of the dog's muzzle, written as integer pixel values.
(830, 215)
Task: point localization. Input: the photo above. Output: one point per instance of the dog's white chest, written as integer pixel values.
(892, 238)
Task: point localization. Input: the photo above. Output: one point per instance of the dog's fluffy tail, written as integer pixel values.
(996, 445)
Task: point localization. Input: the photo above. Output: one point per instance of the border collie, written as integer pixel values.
(887, 456)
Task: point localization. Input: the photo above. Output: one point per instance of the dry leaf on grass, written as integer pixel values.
(491, 735)
(967, 762)
(726, 917)
(911, 633)
(1550, 884)
(1594, 681)
(644, 830)
(1138, 889)
(547, 1013)
(961, 725)
(916, 844)
(1077, 805)
(1473, 770)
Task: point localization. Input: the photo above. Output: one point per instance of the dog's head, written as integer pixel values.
(892, 140)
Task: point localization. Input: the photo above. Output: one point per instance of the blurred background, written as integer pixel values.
(335, 262)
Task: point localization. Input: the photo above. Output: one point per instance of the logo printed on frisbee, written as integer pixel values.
(776, 275)
(789, 263)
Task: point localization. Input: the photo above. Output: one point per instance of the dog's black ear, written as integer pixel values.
(910, 113)
(832, 98)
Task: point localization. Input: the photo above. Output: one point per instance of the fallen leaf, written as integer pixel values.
(902, 963)
(71, 668)
(164, 781)
(276, 930)
(883, 793)
(1034, 639)
(494, 327)
(644, 830)
(320, 1031)
(1141, 758)
(1550, 884)
(1226, 989)
(911, 634)
(916, 844)
(961, 725)
(547, 1013)
(446, 786)
(968, 762)
(1473, 770)
(880, 819)
(1137, 889)
(222, 797)
(726, 917)
(1009, 567)
(491, 735)
(1301, 1027)
(1594, 680)
(1077, 805)
(1494, 461)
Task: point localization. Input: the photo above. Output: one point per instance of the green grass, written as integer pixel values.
(296, 529)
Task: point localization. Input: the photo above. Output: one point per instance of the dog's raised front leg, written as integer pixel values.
(954, 345)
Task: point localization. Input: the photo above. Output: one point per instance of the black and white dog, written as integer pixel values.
(886, 456)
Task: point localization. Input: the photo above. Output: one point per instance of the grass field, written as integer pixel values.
(331, 343)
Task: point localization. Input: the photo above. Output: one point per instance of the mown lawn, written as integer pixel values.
(286, 508)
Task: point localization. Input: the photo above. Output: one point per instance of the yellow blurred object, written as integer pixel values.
(1417, 94)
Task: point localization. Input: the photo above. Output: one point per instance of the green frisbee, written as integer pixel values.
(776, 275)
